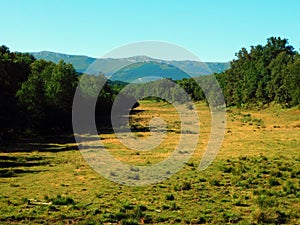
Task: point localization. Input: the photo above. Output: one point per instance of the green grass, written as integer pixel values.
(255, 178)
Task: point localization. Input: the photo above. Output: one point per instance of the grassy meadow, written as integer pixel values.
(255, 178)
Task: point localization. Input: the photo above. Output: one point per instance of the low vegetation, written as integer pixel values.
(254, 180)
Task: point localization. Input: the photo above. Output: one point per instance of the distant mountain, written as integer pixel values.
(152, 70)
(80, 62)
(128, 69)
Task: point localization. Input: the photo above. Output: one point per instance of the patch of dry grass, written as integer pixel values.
(257, 165)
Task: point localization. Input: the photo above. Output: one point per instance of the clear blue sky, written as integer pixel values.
(213, 30)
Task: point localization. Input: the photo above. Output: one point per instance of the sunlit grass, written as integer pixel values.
(255, 178)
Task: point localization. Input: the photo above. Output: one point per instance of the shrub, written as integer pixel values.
(263, 201)
(177, 188)
(127, 206)
(142, 208)
(202, 220)
(290, 188)
(276, 173)
(174, 206)
(119, 216)
(138, 213)
(273, 182)
(165, 207)
(186, 186)
(281, 218)
(227, 169)
(60, 200)
(231, 217)
(93, 222)
(263, 216)
(215, 183)
(201, 179)
(130, 221)
(170, 197)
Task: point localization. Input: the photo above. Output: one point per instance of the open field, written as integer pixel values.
(255, 178)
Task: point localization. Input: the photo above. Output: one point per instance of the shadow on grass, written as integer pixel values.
(138, 128)
(7, 173)
(12, 166)
(40, 144)
(36, 147)
(136, 111)
(22, 161)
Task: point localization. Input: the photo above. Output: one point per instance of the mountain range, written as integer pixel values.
(133, 68)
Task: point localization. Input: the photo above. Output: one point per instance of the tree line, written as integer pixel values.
(264, 74)
(36, 96)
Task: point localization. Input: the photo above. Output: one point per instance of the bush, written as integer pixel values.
(263, 216)
(130, 221)
(215, 183)
(276, 173)
(202, 220)
(281, 217)
(170, 197)
(174, 206)
(273, 182)
(127, 206)
(264, 201)
(186, 186)
(60, 200)
(227, 169)
(231, 217)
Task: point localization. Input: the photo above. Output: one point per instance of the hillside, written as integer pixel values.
(109, 65)
(151, 70)
(80, 63)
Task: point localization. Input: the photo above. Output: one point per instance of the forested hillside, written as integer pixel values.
(108, 65)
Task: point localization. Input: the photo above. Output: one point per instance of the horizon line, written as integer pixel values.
(96, 58)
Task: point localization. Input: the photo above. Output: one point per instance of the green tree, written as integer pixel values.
(277, 85)
(292, 81)
(47, 96)
(14, 70)
(95, 88)
(258, 76)
(60, 86)
(32, 94)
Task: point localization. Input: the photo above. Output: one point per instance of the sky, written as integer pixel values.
(213, 30)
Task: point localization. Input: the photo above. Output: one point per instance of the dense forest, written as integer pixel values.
(36, 96)
(265, 74)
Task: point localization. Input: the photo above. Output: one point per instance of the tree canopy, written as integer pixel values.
(263, 75)
(37, 95)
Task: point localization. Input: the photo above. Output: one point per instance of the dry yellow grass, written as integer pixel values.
(273, 132)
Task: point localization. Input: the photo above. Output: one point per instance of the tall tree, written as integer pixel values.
(47, 96)
(258, 75)
(14, 70)
(292, 81)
